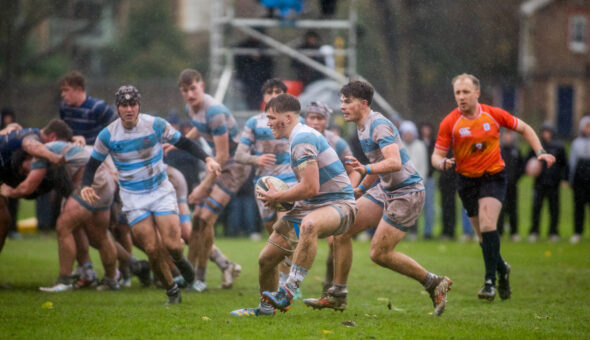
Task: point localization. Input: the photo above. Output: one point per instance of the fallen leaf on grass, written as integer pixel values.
(325, 331)
(205, 318)
(47, 305)
(349, 323)
(544, 317)
(547, 253)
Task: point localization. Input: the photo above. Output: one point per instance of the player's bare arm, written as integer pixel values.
(9, 128)
(392, 162)
(26, 187)
(35, 148)
(221, 143)
(243, 156)
(440, 161)
(354, 176)
(531, 137)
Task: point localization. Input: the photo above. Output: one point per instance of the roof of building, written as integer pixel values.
(532, 6)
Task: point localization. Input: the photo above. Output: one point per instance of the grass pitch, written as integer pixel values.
(550, 282)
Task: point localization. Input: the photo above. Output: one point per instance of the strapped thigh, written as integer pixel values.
(213, 205)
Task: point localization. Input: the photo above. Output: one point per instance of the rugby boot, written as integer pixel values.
(263, 309)
(229, 274)
(180, 281)
(280, 299)
(84, 282)
(197, 286)
(328, 300)
(108, 284)
(141, 269)
(174, 296)
(487, 291)
(504, 283)
(185, 268)
(57, 288)
(438, 294)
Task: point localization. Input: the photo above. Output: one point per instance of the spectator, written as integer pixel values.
(427, 136)
(328, 8)
(241, 214)
(287, 9)
(306, 74)
(580, 176)
(8, 117)
(448, 188)
(253, 70)
(547, 184)
(514, 170)
(416, 150)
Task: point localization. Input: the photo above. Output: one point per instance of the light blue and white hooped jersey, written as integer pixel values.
(258, 137)
(214, 119)
(137, 153)
(378, 132)
(339, 144)
(75, 157)
(308, 144)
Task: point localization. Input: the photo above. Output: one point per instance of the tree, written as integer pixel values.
(19, 19)
(151, 45)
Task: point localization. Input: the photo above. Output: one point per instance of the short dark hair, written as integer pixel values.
(272, 84)
(187, 77)
(61, 130)
(73, 79)
(358, 89)
(284, 103)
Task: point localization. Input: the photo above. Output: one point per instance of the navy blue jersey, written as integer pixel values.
(13, 142)
(88, 119)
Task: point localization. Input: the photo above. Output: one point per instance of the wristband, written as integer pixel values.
(362, 187)
(368, 168)
(440, 163)
(540, 152)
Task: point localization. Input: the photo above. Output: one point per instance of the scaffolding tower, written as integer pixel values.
(222, 53)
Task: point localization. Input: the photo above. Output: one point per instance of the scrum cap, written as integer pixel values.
(127, 94)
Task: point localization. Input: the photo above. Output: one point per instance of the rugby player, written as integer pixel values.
(215, 123)
(317, 115)
(134, 141)
(270, 158)
(324, 206)
(13, 139)
(76, 213)
(391, 196)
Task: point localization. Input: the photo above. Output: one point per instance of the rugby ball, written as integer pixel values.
(279, 185)
(533, 167)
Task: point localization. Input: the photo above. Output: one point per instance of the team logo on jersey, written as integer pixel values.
(146, 141)
(464, 132)
(486, 126)
(478, 147)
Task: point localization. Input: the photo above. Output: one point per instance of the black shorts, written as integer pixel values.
(472, 189)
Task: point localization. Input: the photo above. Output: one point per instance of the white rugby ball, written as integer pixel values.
(279, 185)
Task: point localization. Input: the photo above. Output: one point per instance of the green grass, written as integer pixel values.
(551, 286)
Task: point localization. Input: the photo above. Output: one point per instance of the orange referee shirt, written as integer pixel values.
(475, 141)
